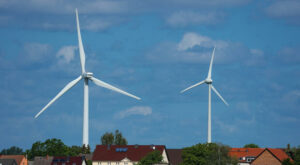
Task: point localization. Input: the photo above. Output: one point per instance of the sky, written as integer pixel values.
(152, 49)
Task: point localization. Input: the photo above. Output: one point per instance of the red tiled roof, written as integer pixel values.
(248, 152)
(279, 153)
(133, 153)
(245, 152)
(59, 160)
(18, 158)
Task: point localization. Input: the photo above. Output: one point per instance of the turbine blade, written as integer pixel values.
(214, 89)
(211, 62)
(199, 83)
(81, 49)
(108, 86)
(63, 91)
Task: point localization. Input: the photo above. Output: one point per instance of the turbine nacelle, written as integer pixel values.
(87, 75)
(208, 81)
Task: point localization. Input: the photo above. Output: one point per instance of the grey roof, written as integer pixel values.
(8, 162)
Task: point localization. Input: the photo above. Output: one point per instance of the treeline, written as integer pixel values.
(50, 147)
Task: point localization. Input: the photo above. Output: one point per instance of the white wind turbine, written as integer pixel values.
(86, 76)
(208, 81)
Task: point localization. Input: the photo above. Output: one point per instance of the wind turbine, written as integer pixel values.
(86, 76)
(208, 81)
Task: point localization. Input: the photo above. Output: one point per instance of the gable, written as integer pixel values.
(266, 158)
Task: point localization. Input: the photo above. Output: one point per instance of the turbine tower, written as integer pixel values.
(208, 81)
(86, 76)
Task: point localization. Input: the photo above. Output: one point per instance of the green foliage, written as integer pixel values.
(151, 158)
(251, 145)
(117, 139)
(74, 151)
(207, 154)
(297, 156)
(107, 138)
(85, 150)
(89, 162)
(287, 162)
(294, 153)
(54, 147)
(12, 151)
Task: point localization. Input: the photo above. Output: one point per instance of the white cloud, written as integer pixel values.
(288, 9)
(66, 54)
(45, 13)
(185, 18)
(136, 110)
(196, 48)
(191, 40)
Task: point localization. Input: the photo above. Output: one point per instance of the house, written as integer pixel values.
(247, 156)
(175, 157)
(42, 160)
(270, 156)
(8, 162)
(125, 154)
(69, 160)
(20, 159)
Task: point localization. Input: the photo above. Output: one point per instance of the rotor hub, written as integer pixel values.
(87, 75)
(208, 81)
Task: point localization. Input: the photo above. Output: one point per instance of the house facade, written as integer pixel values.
(20, 159)
(69, 160)
(270, 157)
(8, 162)
(247, 156)
(125, 154)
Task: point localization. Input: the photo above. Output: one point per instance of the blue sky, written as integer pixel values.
(152, 49)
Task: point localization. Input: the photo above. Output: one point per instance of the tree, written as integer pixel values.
(251, 145)
(74, 151)
(12, 151)
(151, 158)
(107, 138)
(86, 149)
(51, 147)
(207, 154)
(297, 156)
(117, 139)
(287, 162)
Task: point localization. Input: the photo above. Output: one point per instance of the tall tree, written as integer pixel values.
(107, 138)
(251, 145)
(154, 157)
(12, 151)
(207, 154)
(117, 139)
(51, 147)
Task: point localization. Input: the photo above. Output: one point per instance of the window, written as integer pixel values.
(108, 163)
(249, 159)
(99, 163)
(125, 163)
